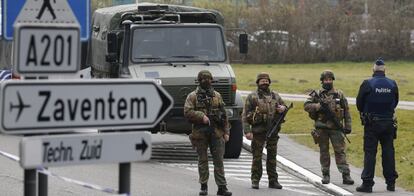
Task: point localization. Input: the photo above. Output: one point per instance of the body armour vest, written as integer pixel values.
(381, 98)
(265, 110)
(335, 100)
(206, 103)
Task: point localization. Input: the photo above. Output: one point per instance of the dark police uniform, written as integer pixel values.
(377, 98)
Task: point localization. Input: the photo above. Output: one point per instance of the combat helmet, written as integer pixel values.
(327, 74)
(204, 73)
(263, 75)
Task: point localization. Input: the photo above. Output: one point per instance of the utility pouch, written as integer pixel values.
(395, 127)
(192, 140)
(362, 118)
(315, 135)
(313, 115)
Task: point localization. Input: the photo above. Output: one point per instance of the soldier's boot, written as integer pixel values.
(364, 188)
(326, 179)
(255, 185)
(223, 191)
(275, 185)
(346, 179)
(203, 190)
(391, 187)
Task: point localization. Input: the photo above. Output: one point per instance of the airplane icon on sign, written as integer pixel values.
(19, 106)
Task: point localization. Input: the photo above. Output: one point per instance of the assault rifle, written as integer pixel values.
(216, 118)
(329, 114)
(278, 121)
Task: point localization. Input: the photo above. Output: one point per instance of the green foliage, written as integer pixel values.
(230, 11)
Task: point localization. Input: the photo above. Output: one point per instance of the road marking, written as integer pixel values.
(311, 177)
(181, 155)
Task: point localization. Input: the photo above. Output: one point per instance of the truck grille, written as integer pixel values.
(179, 93)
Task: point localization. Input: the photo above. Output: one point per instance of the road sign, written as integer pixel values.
(61, 105)
(48, 50)
(1, 19)
(11, 9)
(76, 149)
(122, 2)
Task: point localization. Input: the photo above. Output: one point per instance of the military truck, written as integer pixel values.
(170, 44)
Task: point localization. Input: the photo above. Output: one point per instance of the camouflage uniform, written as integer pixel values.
(207, 102)
(326, 129)
(259, 112)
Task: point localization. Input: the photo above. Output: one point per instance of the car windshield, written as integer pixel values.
(178, 44)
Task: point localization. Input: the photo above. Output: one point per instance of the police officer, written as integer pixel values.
(326, 129)
(376, 101)
(261, 108)
(204, 108)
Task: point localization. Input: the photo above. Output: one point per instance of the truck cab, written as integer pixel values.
(169, 44)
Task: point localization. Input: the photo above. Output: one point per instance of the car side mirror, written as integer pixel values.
(243, 43)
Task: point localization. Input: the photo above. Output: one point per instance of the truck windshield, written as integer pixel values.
(178, 44)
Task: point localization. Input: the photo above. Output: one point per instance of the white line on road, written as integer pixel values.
(311, 177)
(262, 183)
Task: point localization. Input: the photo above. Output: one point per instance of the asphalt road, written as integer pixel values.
(171, 171)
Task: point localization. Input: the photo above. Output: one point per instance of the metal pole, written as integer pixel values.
(42, 184)
(124, 178)
(30, 182)
(365, 15)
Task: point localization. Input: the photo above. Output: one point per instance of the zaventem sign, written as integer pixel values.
(53, 106)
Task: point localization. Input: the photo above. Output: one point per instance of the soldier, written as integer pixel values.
(319, 105)
(376, 101)
(204, 108)
(261, 108)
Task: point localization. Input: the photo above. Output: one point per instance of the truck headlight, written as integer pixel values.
(158, 81)
(229, 113)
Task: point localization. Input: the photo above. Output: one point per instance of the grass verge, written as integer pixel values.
(404, 144)
(299, 78)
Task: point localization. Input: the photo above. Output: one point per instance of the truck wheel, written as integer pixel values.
(234, 145)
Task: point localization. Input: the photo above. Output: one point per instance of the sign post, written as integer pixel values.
(62, 105)
(79, 149)
(11, 9)
(46, 106)
(46, 50)
(47, 41)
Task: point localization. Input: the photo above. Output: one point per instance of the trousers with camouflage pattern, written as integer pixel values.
(338, 144)
(217, 146)
(259, 140)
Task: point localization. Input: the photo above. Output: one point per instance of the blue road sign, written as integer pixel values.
(122, 2)
(11, 9)
(1, 29)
